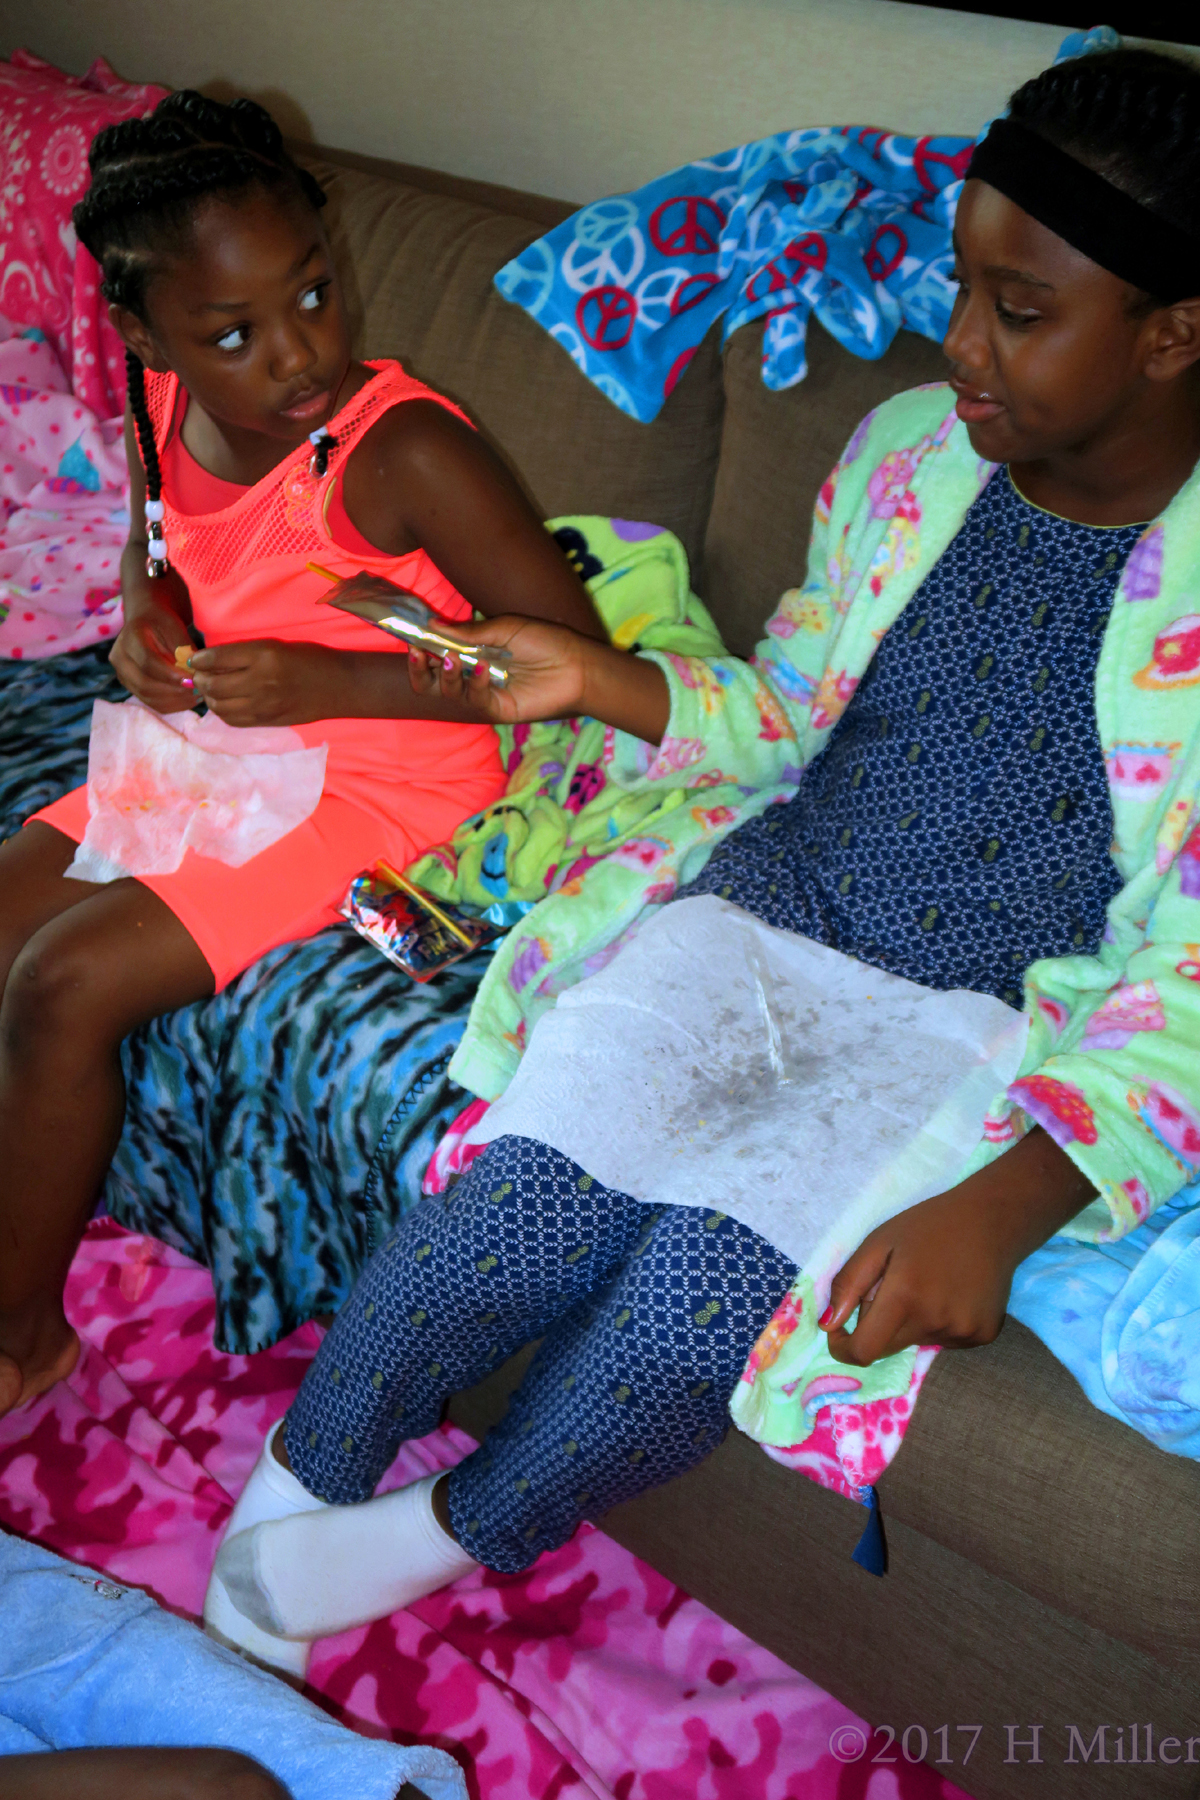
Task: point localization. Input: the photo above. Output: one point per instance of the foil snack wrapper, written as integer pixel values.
(418, 934)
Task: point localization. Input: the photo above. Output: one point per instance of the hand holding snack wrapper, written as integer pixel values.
(404, 615)
(419, 934)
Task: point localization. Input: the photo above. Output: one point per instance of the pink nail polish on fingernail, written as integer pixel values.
(188, 682)
(447, 662)
(825, 1317)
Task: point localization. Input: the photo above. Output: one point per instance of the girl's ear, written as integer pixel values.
(137, 336)
(1174, 346)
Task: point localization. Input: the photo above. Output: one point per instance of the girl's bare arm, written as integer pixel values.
(137, 1774)
(940, 1273)
(422, 478)
(419, 479)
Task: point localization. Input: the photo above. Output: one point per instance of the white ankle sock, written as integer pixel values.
(314, 1574)
(272, 1492)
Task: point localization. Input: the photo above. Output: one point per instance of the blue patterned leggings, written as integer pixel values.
(647, 1319)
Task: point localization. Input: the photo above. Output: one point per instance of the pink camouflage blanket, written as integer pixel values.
(590, 1674)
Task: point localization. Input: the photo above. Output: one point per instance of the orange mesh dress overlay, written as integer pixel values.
(392, 786)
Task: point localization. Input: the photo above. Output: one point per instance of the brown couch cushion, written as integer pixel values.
(420, 270)
(1007, 1462)
(776, 450)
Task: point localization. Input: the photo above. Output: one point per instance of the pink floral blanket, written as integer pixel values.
(589, 1675)
(62, 366)
(63, 507)
(47, 279)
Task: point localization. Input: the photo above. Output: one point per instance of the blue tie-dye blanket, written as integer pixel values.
(276, 1132)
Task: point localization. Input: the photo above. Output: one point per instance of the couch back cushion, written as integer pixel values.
(419, 270)
(776, 450)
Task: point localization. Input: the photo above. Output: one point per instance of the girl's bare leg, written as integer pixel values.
(81, 966)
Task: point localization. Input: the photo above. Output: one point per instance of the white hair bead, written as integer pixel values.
(154, 510)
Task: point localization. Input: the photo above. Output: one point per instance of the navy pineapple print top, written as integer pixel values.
(957, 824)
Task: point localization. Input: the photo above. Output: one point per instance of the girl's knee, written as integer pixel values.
(58, 991)
(566, 1458)
(500, 1174)
(708, 1269)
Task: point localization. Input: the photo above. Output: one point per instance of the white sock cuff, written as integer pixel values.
(444, 1551)
(271, 1492)
(283, 1481)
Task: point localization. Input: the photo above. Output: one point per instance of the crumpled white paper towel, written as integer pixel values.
(160, 785)
(719, 1062)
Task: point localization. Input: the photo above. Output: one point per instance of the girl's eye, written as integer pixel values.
(313, 298)
(235, 338)
(1015, 319)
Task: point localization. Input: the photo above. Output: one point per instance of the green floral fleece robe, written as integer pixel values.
(1112, 1066)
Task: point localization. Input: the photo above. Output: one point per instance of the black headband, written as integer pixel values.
(1088, 212)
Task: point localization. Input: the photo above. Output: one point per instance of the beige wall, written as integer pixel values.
(572, 98)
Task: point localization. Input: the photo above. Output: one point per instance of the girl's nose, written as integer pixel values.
(292, 355)
(966, 341)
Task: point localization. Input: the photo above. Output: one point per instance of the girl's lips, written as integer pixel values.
(309, 407)
(977, 409)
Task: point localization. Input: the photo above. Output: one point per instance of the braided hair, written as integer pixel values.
(1131, 115)
(148, 177)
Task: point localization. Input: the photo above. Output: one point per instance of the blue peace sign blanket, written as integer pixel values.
(850, 223)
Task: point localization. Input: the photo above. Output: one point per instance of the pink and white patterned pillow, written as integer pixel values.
(47, 279)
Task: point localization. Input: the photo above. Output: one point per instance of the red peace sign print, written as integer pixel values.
(811, 252)
(767, 280)
(691, 292)
(676, 370)
(880, 257)
(860, 193)
(925, 157)
(606, 316)
(677, 227)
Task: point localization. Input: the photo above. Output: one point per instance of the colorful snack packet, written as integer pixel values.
(414, 931)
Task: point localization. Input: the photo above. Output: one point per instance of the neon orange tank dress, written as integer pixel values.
(392, 786)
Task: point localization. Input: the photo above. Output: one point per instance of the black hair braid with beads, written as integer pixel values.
(148, 177)
(1131, 115)
(145, 432)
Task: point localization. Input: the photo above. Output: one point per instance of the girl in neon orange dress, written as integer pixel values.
(257, 445)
